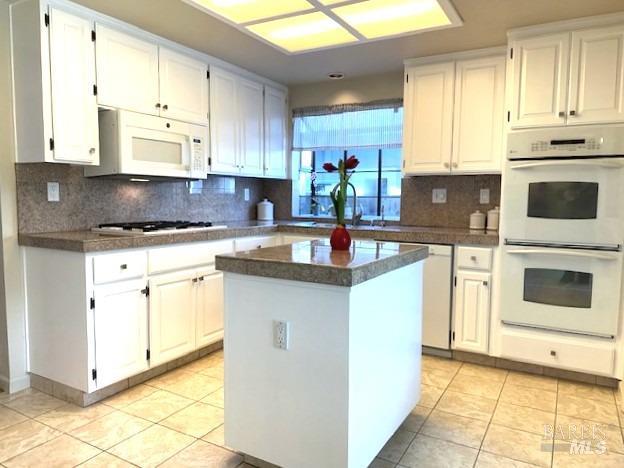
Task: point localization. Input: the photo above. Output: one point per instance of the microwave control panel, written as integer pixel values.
(198, 164)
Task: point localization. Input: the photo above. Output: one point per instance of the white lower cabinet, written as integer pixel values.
(172, 316)
(472, 296)
(120, 324)
(209, 308)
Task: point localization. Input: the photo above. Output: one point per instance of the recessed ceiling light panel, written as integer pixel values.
(379, 18)
(303, 32)
(245, 11)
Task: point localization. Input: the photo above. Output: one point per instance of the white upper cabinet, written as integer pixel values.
(479, 114)
(540, 78)
(224, 122)
(250, 105)
(568, 78)
(275, 134)
(428, 118)
(597, 78)
(183, 87)
(127, 71)
(72, 79)
(454, 114)
(53, 61)
(247, 126)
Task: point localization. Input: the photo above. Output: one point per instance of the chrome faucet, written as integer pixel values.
(355, 216)
(382, 221)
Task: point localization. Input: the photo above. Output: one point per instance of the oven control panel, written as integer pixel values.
(566, 142)
(579, 144)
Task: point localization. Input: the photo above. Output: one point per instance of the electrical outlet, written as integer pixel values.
(280, 334)
(484, 196)
(438, 195)
(54, 192)
(246, 194)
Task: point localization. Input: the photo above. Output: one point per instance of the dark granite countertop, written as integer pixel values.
(316, 262)
(87, 241)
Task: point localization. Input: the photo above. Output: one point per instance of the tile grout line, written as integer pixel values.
(552, 453)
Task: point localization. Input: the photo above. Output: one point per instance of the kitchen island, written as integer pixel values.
(322, 350)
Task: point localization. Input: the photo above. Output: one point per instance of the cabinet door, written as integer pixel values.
(540, 80)
(127, 71)
(596, 77)
(251, 123)
(428, 120)
(72, 78)
(478, 115)
(183, 87)
(172, 316)
(120, 322)
(223, 122)
(275, 133)
(472, 311)
(209, 308)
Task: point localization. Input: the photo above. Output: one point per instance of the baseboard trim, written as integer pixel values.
(14, 385)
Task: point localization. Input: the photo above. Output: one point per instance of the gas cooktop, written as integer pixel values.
(151, 228)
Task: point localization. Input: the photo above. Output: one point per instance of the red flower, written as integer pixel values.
(329, 167)
(352, 162)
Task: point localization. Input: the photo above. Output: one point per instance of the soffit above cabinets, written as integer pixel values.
(299, 26)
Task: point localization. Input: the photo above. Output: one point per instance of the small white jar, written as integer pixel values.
(477, 220)
(265, 210)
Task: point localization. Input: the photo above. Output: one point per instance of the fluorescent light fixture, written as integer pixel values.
(245, 11)
(380, 18)
(303, 32)
(136, 179)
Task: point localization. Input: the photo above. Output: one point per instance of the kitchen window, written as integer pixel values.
(373, 133)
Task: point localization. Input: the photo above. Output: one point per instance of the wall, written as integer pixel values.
(13, 353)
(85, 203)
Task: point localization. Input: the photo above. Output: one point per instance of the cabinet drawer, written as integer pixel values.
(118, 267)
(186, 256)
(478, 258)
(577, 354)
(252, 243)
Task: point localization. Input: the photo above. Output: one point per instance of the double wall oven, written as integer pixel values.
(563, 221)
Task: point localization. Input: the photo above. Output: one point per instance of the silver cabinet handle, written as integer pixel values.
(553, 352)
(485, 283)
(473, 258)
(446, 165)
(572, 113)
(91, 150)
(562, 114)
(158, 105)
(165, 107)
(123, 266)
(455, 165)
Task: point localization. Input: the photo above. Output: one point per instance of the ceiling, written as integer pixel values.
(485, 25)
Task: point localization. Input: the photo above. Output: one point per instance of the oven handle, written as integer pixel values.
(571, 162)
(565, 252)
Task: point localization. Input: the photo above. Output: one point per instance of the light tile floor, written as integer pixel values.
(468, 416)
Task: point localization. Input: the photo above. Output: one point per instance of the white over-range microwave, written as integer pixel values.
(138, 145)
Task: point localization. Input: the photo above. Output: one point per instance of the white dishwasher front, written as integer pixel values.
(437, 287)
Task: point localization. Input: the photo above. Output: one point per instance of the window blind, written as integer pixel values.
(376, 124)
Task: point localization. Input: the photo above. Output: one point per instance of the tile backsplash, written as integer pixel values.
(85, 203)
(417, 208)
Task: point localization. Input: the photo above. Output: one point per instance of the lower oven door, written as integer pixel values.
(562, 289)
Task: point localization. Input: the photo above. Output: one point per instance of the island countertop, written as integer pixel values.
(315, 261)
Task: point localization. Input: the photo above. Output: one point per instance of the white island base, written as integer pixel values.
(350, 375)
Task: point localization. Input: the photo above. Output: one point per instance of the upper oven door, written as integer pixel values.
(154, 146)
(573, 201)
(562, 289)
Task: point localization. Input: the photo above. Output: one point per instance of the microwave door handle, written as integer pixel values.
(572, 162)
(565, 253)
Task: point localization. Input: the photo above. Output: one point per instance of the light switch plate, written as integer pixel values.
(484, 196)
(54, 192)
(246, 194)
(280, 334)
(438, 195)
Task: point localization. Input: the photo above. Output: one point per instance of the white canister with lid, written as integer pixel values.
(265, 210)
(493, 218)
(477, 220)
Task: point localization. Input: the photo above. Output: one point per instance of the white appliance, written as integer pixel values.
(437, 288)
(564, 185)
(563, 220)
(141, 145)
